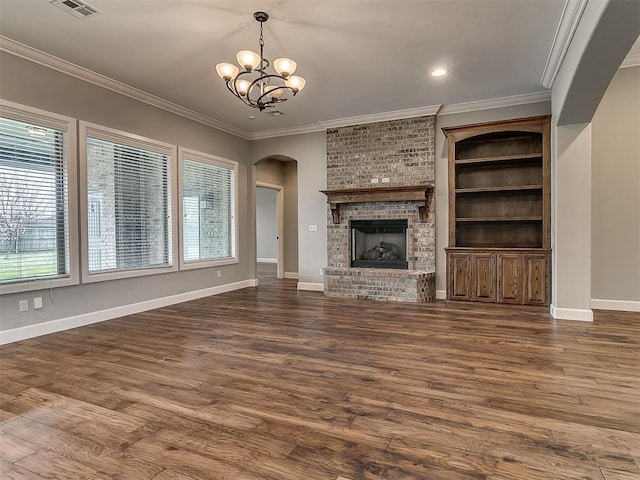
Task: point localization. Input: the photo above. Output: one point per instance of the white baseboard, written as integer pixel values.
(582, 315)
(312, 287)
(45, 328)
(622, 305)
(292, 275)
(267, 260)
(441, 294)
(253, 282)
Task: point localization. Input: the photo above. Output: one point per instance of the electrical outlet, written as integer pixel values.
(219, 273)
(37, 303)
(374, 180)
(313, 228)
(23, 305)
(385, 180)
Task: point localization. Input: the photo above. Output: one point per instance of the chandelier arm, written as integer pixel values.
(261, 78)
(258, 101)
(236, 94)
(273, 101)
(235, 84)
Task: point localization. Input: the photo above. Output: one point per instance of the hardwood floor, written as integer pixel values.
(271, 383)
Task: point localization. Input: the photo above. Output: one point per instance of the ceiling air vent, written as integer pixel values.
(77, 8)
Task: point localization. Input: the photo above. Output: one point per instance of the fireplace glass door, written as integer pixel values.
(379, 244)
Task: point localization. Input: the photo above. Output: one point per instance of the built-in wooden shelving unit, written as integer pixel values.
(499, 212)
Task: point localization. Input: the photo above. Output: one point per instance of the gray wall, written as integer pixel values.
(266, 223)
(310, 151)
(37, 86)
(615, 184)
(603, 37)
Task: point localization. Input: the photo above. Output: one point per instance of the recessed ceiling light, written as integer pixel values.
(438, 72)
(252, 117)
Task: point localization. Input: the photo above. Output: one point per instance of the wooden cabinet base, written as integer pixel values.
(512, 276)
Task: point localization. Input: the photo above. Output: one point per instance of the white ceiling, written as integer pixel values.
(358, 57)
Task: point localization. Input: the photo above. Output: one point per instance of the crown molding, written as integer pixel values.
(631, 61)
(569, 20)
(495, 103)
(413, 112)
(382, 117)
(347, 121)
(283, 132)
(29, 53)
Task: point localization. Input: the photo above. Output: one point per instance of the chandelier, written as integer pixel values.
(254, 85)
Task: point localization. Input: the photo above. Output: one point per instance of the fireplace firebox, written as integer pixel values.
(379, 244)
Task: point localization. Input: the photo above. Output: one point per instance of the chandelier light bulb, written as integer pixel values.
(227, 71)
(248, 59)
(296, 83)
(284, 66)
(243, 87)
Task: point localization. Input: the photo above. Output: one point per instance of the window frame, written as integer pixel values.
(107, 134)
(68, 127)
(193, 155)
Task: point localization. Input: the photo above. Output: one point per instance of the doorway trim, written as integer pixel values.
(280, 226)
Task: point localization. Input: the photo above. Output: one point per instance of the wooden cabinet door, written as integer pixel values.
(509, 278)
(484, 278)
(459, 275)
(536, 285)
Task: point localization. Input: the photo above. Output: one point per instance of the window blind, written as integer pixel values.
(33, 202)
(208, 206)
(128, 207)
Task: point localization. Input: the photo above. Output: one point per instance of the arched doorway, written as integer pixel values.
(276, 183)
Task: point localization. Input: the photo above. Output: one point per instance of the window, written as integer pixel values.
(208, 210)
(37, 188)
(127, 204)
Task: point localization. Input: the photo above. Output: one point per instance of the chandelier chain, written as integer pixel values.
(261, 36)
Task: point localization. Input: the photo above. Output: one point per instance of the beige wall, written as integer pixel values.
(285, 174)
(30, 84)
(615, 185)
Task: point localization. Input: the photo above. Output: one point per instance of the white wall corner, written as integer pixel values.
(311, 287)
(569, 21)
(441, 294)
(620, 305)
(291, 275)
(45, 328)
(582, 315)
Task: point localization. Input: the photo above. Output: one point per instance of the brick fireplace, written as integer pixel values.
(400, 155)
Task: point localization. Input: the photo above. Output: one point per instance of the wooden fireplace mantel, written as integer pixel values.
(416, 193)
